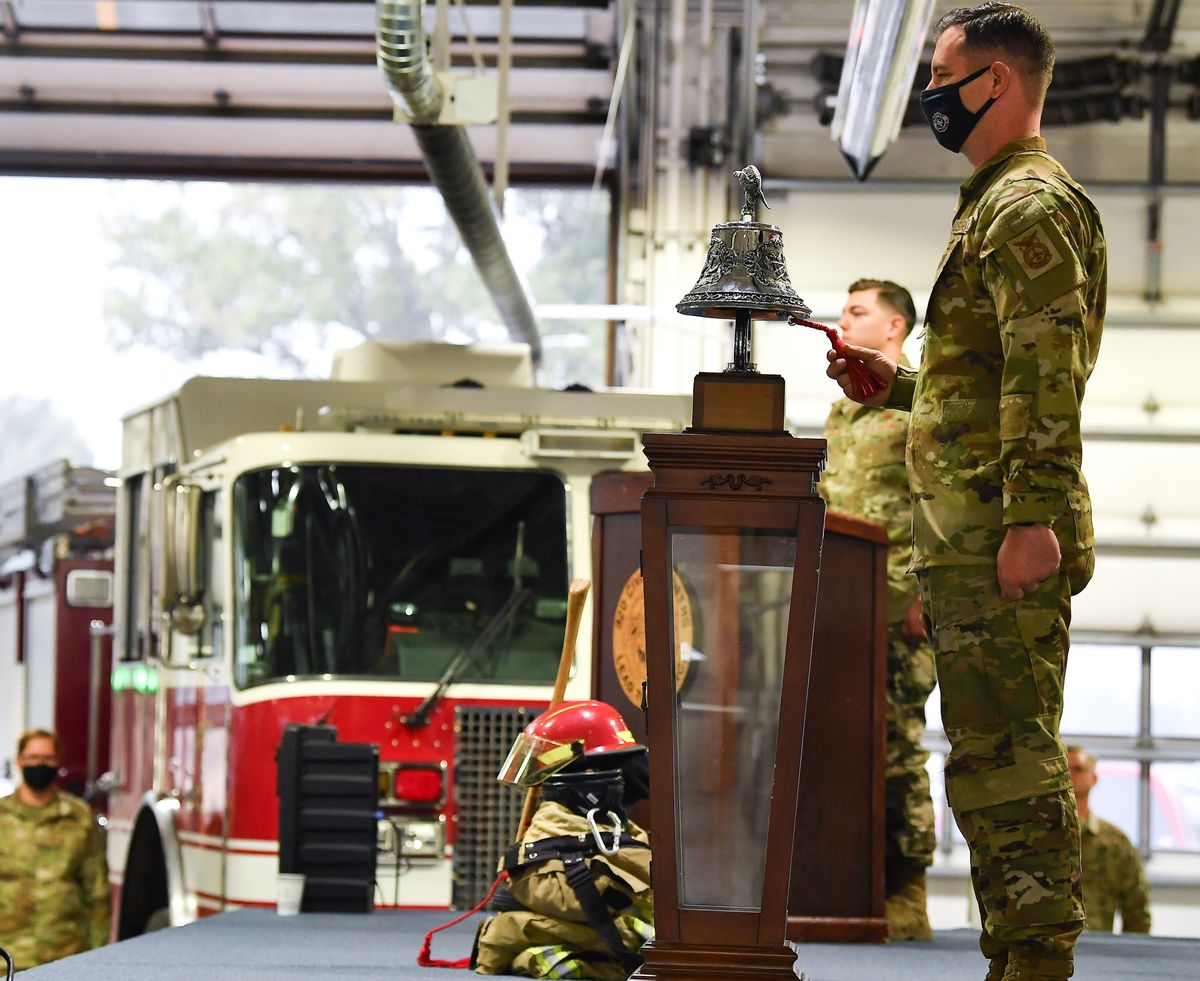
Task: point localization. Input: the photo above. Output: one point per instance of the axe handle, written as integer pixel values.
(576, 598)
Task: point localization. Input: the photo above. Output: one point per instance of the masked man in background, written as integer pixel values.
(54, 898)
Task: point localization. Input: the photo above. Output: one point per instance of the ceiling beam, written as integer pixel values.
(301, 53)
(146, 166)
(225, 105)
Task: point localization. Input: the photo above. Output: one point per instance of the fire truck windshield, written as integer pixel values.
(395, 573)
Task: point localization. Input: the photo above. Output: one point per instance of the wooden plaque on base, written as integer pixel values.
(748, 404)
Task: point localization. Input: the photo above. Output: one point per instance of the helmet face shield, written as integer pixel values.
(564, 734)
(533, 758)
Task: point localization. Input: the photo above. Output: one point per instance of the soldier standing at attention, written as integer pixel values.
(53, 874)
(1112, 871)
(1002, 533)
(865, 478)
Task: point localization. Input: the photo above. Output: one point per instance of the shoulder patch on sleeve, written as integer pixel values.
(1038, 260)
(1035, 251)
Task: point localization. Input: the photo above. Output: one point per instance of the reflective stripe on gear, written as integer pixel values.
(554, 962)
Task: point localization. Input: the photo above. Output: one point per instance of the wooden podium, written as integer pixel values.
(837, 881)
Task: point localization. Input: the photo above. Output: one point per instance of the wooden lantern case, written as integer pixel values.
(740, 512)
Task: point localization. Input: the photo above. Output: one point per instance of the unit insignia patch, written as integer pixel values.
(1035, 252)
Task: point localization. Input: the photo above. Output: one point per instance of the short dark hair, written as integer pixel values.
(893, 296)
(31, 734)
(1007, 29)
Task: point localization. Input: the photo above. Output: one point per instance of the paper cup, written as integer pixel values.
(289, 890)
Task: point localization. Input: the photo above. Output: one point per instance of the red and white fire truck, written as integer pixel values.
(387, 553)
(56, 597)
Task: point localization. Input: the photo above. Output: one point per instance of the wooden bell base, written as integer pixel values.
(699, 962)
(738, 402)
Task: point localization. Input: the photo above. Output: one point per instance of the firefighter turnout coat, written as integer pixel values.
(554, 928)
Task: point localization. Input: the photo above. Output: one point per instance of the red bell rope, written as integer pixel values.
(423, 956)
(864, 382)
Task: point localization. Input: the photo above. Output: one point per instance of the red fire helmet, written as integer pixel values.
(563, 734)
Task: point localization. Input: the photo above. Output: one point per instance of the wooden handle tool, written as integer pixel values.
(576, 598)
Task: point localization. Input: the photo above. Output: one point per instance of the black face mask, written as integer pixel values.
(39, 776)
(949, 119)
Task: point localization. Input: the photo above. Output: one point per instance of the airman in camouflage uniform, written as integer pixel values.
(54, 897)
(865, 477)
(1001, 515)
(1113, 878)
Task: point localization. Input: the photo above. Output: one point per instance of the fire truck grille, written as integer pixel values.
(488, 811)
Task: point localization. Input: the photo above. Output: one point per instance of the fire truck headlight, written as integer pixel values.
(409, 839)
(421, 839)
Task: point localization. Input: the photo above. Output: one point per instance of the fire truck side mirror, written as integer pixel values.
(182, 587)
(187, 618)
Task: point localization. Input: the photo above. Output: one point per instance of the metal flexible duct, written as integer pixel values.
(451, 161)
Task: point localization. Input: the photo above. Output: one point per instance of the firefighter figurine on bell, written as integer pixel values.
(577, 903)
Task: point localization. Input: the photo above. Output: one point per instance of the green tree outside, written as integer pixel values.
(244, 267)
(45, 436)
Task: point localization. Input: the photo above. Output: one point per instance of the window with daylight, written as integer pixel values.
(1133, 707)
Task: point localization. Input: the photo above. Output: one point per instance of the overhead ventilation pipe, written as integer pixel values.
(451, 161)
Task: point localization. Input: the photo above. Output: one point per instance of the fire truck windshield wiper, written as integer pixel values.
(483, 645)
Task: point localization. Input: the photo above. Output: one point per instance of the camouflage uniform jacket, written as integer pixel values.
(53, 880)
(1012, 330)
(865, 478)
(1112, 878)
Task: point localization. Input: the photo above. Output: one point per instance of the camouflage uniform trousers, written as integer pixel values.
(908, 818)
(1001, 665)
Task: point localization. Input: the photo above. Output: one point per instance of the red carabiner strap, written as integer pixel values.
(423, 957)
(864, 382)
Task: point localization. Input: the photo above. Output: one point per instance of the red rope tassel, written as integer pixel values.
(864, 382)
(423, 957)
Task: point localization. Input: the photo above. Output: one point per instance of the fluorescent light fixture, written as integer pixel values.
(886, 41)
